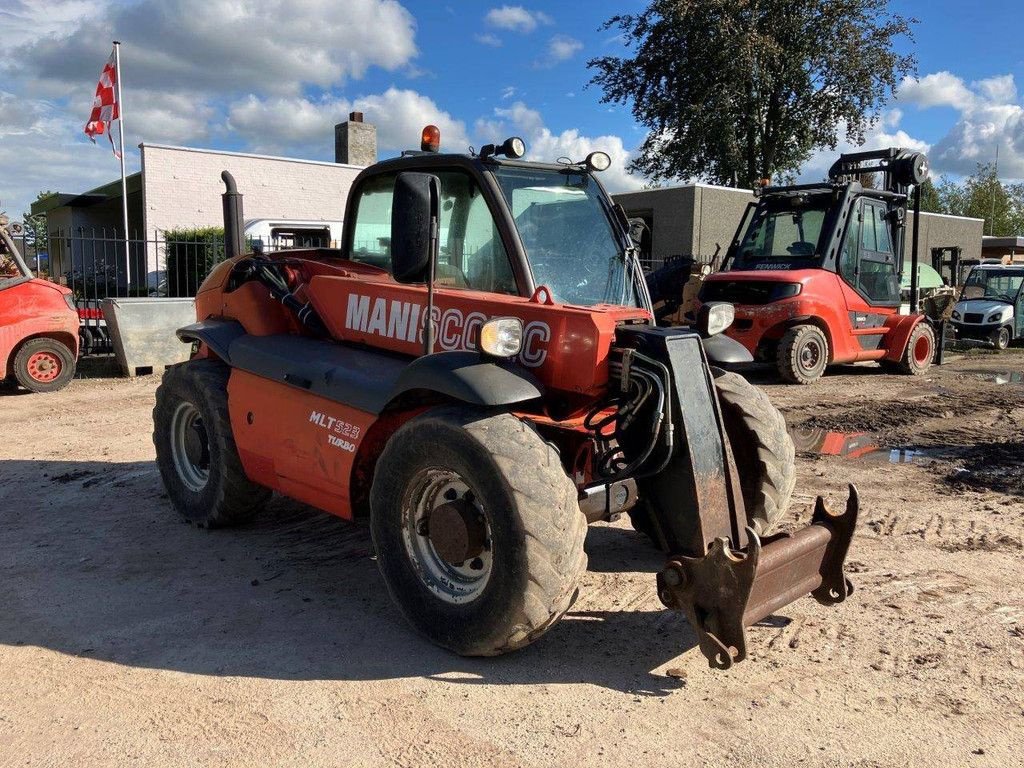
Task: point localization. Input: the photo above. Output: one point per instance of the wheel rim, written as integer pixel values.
(190, 447)
(810, 355)
(922, 349)
(44, 366)
(1004, 337)
(435, 493)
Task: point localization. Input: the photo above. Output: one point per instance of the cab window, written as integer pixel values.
(876, 275)
(471, 253)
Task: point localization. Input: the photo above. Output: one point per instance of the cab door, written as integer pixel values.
(870, 271)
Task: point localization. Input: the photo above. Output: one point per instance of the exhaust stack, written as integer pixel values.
(234, 223)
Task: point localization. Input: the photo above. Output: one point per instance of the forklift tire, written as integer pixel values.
(195, 448)
(1001, 337)
(509, 509)
(918, 354)
(762, 448)
(802, 354)
(44, 365)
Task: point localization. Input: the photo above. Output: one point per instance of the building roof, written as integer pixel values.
(101, 194)
(278, 158)
(988, 241)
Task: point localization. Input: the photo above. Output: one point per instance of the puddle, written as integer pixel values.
(860, 446)
(1000, 377)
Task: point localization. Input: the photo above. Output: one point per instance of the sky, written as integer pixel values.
(274, 76)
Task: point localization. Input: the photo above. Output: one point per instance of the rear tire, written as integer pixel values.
(802, 354)
(512, 483)
(920, 351)
(195, 448)
(44, 365)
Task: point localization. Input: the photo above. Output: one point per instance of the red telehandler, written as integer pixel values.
(477, 370)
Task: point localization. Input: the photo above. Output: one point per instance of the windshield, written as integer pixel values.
(998, 284)
(565, 228)
(782, 233)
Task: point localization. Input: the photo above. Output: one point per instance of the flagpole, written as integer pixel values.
(124, 182)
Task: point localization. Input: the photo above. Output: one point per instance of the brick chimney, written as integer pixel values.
(355, 142)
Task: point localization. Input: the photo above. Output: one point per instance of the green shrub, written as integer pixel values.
(190, 255)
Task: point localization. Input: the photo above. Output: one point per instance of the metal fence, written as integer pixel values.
(99, 264)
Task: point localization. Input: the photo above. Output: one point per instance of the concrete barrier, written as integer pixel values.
(142, 331)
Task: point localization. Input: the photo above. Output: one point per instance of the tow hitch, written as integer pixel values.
(727, 590)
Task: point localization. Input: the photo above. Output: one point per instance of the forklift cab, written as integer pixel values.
(868, 261)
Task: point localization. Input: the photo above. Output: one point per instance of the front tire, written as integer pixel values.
(762, 448)
(195, 448)
(44, 365)
(505, 504)
(802, 354)
(1002, 337)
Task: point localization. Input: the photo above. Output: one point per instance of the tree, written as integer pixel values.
(733, 91)
(930, 200)
(987, 198)
(35, 225)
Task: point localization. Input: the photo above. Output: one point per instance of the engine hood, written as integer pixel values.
(982, 306)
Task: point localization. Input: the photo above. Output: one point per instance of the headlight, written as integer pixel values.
(502, 336)
(995, 318)
(715, 317)
(956, 315)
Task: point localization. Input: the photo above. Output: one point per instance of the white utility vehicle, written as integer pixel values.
(991, 305)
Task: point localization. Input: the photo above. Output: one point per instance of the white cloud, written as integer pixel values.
(560, 48)
(203, 45)
(545, 145)
(990, 116)
(886, 133)
(26, 20)
(516, 18)
(302, 127)
(488, 38)
(935, 90)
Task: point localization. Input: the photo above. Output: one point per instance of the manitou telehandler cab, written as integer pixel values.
(478, 371)
(814, 272)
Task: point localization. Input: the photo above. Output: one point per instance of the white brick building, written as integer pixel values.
(181, 187)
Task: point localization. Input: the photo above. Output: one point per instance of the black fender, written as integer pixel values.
(216, 334)
(470, 378)
(722, 350)
(362, 377)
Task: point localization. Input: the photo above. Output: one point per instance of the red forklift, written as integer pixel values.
(814, 271)
(38, 324)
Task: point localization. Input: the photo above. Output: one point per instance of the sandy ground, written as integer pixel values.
(127, 637)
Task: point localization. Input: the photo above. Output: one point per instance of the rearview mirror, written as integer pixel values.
(414, 224)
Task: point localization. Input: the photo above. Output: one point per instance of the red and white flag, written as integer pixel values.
(105, 108)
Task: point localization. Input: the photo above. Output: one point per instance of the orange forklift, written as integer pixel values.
(814, 271)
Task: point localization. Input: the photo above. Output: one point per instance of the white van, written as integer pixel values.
(281, 234)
